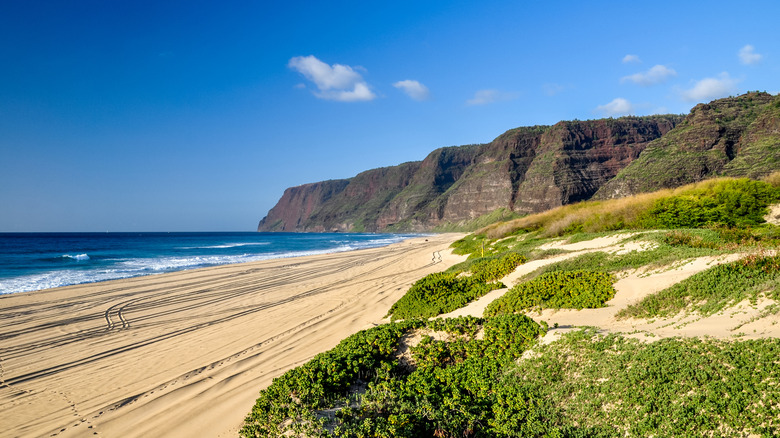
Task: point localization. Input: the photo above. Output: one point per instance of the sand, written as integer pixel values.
(744, 320)
(186, 353)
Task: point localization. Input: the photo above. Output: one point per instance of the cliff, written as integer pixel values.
(532, 169)
(737, 136)
(525, 169)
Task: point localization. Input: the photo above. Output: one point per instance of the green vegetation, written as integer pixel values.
(583, 385)
(727, 202)
(496, 269)
(297, 394)
(361, 388)
(556, 290)
(478, 246)
(670, 247)
(714, 289)
(662, 251)
(611, 386)
(439, 293)
(723, 201)
(497, 215)
(444, 292)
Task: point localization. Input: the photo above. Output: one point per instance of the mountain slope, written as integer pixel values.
(736, 136)
(533, 169)
(526, 170)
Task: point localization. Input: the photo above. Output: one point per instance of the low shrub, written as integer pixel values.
(473, 243)
(495, 269)
(449, 391)
(714, 289)
(439, 293)
(728, 202)
(612, 386)
(288, 406)
(446, 291)
(556, 290)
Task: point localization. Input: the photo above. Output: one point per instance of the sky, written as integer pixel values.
(196, 115)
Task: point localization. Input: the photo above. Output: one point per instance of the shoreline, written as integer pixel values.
(185, 353)
(56, 276)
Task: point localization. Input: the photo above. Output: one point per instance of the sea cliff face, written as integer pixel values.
(737, 136)
(292, 212)
(532, 169)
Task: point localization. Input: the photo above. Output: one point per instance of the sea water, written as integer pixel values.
(34, 261)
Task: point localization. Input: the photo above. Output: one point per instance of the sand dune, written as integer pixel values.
(744, 320)
(185, 354)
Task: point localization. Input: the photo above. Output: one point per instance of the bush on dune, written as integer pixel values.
(360, 388)
(556, 290)
(444, 292)
(439, 293)
(725, 201)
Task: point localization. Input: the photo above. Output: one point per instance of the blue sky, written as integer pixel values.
(196, 115)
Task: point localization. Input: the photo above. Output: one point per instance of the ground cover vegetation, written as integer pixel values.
(583, 385)
(612, 386)
(665, 248)
(362, 388)
(556, 290)
(443, 292)
(711, 291)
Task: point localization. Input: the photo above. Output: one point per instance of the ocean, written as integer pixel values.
(34, 261)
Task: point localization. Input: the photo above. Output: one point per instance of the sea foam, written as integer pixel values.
(108, 263)
(79, 257)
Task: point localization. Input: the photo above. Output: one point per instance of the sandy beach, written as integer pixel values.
(185, 353)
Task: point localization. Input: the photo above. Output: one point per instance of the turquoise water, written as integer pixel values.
(34, 261)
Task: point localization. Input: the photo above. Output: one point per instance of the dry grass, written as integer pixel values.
(595, 216)
(773, 179)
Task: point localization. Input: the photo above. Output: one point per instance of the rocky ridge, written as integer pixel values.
(532, 169)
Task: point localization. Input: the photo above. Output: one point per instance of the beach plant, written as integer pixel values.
(449, 390)
(289, 404)
(583, 385)
(711, 291)
(556, 290)
(444, 292)
(620, 387)
(664, 249)
(726, 201)
(487, 270)
(439, 293)
(452, 390)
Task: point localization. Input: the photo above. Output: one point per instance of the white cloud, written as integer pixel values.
(711, 88)
(336, 82)
(484, 97)
(656, 75)
(631, 58)
(413, 89)
(618, 107)
(748, 56)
